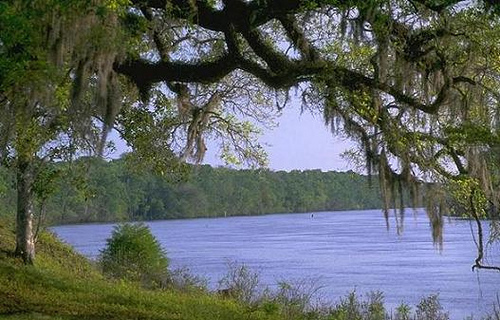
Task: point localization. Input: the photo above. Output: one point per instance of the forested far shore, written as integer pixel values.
(95, 190)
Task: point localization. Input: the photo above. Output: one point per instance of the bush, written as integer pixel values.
(297, 298)
(183, 280)
(403, 312)
(133, 253)
(240, 283)
(430, 308)
(292, 300)
(354, 308)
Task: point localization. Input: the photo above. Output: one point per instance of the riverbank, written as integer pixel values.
(65, 285)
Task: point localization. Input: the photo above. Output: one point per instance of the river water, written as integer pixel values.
(341, 251)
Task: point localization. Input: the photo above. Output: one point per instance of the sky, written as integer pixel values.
(301, 141)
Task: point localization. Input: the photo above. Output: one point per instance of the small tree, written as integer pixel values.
(134, 254)
(57, 89)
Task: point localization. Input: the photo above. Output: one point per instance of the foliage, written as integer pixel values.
(65, 285)
(46, 47)
(403, 312)
(7, 192)
(353, 308)
(60, 96)
(430, 308)
(133, 253)
(181, 279)
(300, 299)
(296, 297)
(414, 83)
(95, 190)
(240, 283)
(57, 91)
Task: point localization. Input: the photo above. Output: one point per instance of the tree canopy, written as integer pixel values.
(414, 82)
(114, 191)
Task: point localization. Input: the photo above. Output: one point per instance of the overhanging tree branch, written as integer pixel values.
(480, 246)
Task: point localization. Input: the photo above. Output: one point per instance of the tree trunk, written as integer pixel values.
(25, 244)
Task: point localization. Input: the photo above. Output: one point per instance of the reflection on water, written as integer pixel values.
(346, 250)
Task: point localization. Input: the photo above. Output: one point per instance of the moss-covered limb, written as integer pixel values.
(281, 70)
(475, 199)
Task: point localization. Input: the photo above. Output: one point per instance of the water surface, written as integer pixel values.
(343, 251)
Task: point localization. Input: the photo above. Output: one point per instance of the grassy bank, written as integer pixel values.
(64, 285)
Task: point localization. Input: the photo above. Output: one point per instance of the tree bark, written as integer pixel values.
(25, 244)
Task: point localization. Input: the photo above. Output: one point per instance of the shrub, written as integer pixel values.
(353, 308)
(182, 279)
(298, 297)
(430, 308)
(240, 283)
(133, 253)
(292, 300)
(403, 312)
(348, 308)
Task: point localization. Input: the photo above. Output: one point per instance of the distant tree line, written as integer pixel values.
(93, 190)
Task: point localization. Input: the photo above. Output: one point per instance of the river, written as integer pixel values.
(341, 251)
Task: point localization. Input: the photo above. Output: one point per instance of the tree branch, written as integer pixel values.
(144, 73)
(298, 38)
(277, 61)
(480, 247)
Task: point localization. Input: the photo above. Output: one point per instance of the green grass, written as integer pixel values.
(64, 285)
